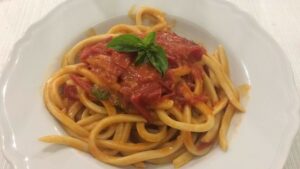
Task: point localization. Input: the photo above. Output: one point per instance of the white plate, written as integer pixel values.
(259, 139)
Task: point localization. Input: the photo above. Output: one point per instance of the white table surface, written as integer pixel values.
(281, 18)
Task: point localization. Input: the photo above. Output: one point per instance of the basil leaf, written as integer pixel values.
(149, 39)
(158, 59)
(141, 58)
(125, 43)
(146, 48)
(100, 94)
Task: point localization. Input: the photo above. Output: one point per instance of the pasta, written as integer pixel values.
(126, 113)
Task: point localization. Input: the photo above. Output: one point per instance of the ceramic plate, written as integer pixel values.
(259, 139)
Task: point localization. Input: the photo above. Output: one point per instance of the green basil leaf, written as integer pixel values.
(158, 59)
(146, 48)
(149, 39)
(100, 94)
(141, 58)
(125, 43)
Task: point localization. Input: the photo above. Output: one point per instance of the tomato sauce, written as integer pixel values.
(141, 86)
(179, 50)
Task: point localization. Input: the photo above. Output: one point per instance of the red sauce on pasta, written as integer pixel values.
(141, 87)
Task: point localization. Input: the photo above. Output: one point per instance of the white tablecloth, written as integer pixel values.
(281, 18)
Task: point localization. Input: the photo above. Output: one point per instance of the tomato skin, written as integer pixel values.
(70, 92)
(138, 105)
(85, 85)
(179, 50)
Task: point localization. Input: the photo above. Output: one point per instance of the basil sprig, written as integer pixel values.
(147, 50)
(100, 94)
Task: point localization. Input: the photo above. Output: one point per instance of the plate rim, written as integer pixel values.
(10, 154)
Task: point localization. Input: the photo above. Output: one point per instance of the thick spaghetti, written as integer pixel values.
(129, 114)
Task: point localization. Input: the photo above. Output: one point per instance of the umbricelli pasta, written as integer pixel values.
(142, 94)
